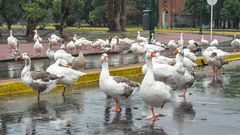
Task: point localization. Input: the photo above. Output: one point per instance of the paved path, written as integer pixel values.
(164, 38)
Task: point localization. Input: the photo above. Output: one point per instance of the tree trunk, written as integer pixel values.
(114, 8)
(224, 24)
(123, 15)
(64, 15)
(31, 26)
(236, 23)
(229, 24)
(4, 15)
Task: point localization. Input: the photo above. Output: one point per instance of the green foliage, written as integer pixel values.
(10, 11)
(35, 11)
(56, 9)
(75, 11)
(98, 14)
(134, 11)
(195, 7)
(231, 9)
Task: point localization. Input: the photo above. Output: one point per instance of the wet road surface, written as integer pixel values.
(211, 108)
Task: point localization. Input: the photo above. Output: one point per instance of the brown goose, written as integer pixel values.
(39, 81)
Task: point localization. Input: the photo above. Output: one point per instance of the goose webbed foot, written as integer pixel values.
(117, 107)
(153, 116)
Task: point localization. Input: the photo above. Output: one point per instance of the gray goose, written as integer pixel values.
(39, 81)
(79, 62)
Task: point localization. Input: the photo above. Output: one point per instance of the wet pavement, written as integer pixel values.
(211, 108)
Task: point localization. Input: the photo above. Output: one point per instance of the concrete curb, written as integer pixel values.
(92, 77)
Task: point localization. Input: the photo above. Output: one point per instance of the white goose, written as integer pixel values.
(153, 93)
(181, 41)
(115, 86)
(70, 47)
(182, 78)
(41, 81)
(235, 42)
(38, 47)
(161, 71)
(172, 44)
(62, 54)
(67, 75)
(54, 40)
(12, 41)
(214, 42)
(141, 39)
(204, 41)
(50, 52)
(36, 36)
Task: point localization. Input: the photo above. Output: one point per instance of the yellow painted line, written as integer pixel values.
(230, 57)
(11, 88)
(91, 78)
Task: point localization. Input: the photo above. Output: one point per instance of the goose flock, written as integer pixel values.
(162, 74)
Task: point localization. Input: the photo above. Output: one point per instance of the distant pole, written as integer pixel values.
(211, 22)
(201, 18)
(152, 20)
(211, 2)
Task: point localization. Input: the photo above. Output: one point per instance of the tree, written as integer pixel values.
(123, 15)
(231, 11)
(10, 12)
(64, 14)
(134, 11)
(195, 7)
(98, 15)
(116, 15)
(67, 12)
(34, 12)
(75, 12)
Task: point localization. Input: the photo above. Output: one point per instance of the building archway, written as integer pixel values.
(165, 16)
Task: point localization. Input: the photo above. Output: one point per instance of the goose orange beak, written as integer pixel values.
(106, 58)
(176, 51)
(68, 66)
(20, 57)
(153, 54)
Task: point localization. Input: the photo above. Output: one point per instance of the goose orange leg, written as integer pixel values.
(117, 106)
(63, 92)
(38, 96)
(154, 117)
(183, 94)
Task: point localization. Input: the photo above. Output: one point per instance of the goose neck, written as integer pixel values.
(149, 77)
(26, 68)
(105, 71)
(57, 63)
(179, 58)
(80, 53)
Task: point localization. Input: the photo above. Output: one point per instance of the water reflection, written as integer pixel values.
(150, 130)
(12, 69)
(183, 112)
(214, 86)
(120, 123)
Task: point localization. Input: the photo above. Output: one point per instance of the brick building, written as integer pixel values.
(171, 14)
